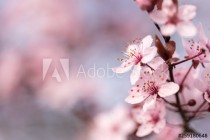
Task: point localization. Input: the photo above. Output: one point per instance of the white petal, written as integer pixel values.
(169, 7)
(202, 37)
(131, 48)
(149, 54)
(135, 74)
(168, 89)
(135, 98)
(124, 67)
(144, 129)
(168, 29)
(158, 17)
(147, 41)
(159, 126)
(186, 29)
(149, 102)
(187, 12)
(207, 97)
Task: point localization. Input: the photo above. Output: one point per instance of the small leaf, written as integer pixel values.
(170, 48)
(161, 49)
(195, 63)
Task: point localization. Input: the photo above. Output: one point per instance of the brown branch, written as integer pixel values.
(190, 58)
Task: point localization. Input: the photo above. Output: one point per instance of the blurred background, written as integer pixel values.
(89, 33)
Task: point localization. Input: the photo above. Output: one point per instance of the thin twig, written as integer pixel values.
(172, 104)
(185, 77)
(196, 112)
(190, 58)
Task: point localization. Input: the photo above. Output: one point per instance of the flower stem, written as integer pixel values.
(150, 67)
(182, 114)
(185, 77)
(172, 104)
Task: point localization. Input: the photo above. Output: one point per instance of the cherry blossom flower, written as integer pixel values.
(204, 84)
(173, 18)
(114, 125)
(150, 86)
(180, 72)
(152, 120)
(10, 72)
(188, 92)
(170, 132)
(137, 53)
(195, 47)
(64, 95)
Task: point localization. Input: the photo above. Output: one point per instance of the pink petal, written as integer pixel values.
(202, 37)
(143, 3)
(186, 29)
(149, 102)
(160, 104)
(168, 29)
(200, 85)
(205, 75)
(187, 12)
(168, 89)
(207, 97)
(156, 62)
(159, 126)
(158, 17)
(188, 47)
(144, 129)
(147, 41)
(136, 96)
(149, 54)
(135, 74)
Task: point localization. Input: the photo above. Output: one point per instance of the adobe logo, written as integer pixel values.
(57, 70)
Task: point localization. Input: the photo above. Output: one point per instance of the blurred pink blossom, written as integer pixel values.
(11, 71)
(63, 95)
(169, 132)
(144, 4)
(114, 125)
(179, 75)
(172, 18)
(152, 120)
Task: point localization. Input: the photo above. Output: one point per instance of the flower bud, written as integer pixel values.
(191, 102)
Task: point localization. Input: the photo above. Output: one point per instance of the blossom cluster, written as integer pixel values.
(160, 83)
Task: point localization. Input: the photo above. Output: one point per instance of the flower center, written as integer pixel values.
(137, 56)
(150, 88)
(154, 118)
(174, 20)
(138, 59)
